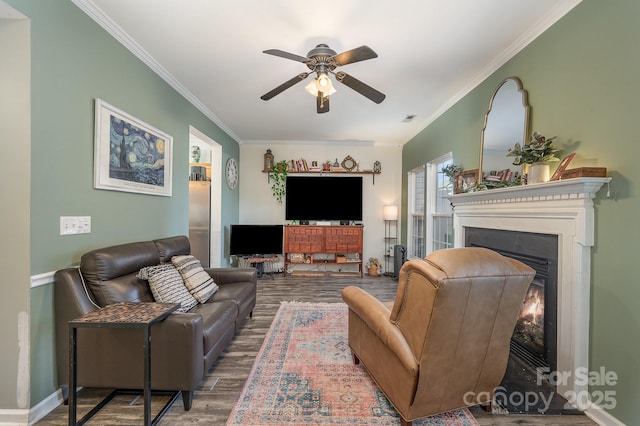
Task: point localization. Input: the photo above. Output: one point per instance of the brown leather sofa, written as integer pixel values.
(185, 345)
(444, 342)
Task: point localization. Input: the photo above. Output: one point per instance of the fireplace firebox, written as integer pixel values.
(535, 334)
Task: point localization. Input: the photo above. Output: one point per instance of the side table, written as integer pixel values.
(140, 315)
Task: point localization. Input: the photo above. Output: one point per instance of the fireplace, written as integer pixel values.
(535, 334)
(565, 210)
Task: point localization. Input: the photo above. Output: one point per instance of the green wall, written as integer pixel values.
(582, 79)
(74, 61)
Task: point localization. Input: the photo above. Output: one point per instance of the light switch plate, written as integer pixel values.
(72, 225)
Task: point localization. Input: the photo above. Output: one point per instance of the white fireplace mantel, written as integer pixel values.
(563, 208)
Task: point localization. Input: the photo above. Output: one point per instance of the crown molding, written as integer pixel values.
(95, 13)
(536, 29)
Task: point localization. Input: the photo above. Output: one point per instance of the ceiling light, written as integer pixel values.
(321, 84)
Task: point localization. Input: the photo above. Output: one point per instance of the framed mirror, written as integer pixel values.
(506, 122)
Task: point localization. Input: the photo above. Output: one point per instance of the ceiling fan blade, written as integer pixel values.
(286, 55)
(358, 54)
(360, 87)
(322, 103)
(284, 86)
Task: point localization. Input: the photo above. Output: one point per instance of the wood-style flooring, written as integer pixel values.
(222, 385)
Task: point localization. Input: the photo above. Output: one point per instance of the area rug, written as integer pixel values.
(304, 374)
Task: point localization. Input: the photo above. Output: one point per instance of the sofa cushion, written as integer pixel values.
(172, 246)
(196, 280)
(167, 286)
(110, 272)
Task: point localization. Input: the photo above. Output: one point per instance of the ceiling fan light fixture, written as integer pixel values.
(315, 86)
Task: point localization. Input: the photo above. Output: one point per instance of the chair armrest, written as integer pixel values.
(375, 315)
(232, 275)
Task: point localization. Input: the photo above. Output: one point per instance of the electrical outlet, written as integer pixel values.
(72, 225)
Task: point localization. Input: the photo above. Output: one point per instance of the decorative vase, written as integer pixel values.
(195, 154)
(373, 271)
(537, 173)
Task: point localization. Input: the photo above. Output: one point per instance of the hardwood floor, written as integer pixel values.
(222, 385)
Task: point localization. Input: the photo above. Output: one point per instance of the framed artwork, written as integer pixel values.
(465, 180)
(129, 154)
(562, 166)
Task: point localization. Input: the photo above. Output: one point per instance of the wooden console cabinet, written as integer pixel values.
(342, 242)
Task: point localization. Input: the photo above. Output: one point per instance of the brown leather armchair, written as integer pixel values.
(444, 342)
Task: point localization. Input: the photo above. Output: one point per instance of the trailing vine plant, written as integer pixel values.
(278, 179)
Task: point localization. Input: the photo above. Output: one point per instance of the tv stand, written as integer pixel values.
(309, 240)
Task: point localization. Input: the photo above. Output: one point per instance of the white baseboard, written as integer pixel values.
(45, 406)
(602, 417)
(17, 417)
(21, 417)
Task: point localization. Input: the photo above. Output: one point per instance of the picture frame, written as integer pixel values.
(465, 180)
(129, 154)
(562, 166)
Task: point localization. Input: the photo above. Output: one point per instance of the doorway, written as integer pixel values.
(211, 160)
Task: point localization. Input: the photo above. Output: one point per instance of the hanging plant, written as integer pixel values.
(278, 179)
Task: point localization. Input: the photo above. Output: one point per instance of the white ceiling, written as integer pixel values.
(430, 54)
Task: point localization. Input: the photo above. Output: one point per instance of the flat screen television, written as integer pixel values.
(252, 240)
(323, 198)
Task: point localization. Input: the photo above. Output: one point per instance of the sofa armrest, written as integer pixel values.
(375, 315)
(232, 275)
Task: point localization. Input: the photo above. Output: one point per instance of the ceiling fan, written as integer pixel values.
(323, 61)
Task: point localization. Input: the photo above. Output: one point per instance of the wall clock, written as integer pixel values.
(231, 173)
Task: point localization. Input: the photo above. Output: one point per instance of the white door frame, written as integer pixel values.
(215, 251)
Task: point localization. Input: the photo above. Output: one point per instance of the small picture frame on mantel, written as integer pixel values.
(465, 180)
(562, 166)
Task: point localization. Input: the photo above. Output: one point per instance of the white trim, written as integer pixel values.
(42, 279)
(562, 208)
(14, 417)
(44, 407)
(95, 13)
(602, 417)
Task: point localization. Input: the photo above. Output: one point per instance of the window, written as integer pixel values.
(415, 219)
(439, 218)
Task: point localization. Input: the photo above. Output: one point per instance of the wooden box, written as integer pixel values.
(584, 172)
(341, 259)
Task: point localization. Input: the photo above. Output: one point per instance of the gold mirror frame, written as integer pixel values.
(505, 123)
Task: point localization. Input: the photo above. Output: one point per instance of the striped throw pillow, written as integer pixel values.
(167, 286)
(196, 279)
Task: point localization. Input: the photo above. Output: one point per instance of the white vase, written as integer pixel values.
(538, 173)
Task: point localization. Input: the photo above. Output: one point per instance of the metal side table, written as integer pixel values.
(140, 315)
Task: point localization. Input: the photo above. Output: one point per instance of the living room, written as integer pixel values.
(580, 74)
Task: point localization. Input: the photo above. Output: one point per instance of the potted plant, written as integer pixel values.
(326, 166)
(450, 170)
(373, 265)
(534, 156)
(278, 179)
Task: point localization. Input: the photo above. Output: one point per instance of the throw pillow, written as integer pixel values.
(167, 286)
(196, 279)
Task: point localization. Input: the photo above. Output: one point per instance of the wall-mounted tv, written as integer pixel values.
(253, 240)
(324, 198)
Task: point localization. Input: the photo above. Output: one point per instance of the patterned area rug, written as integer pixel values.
(304, 374)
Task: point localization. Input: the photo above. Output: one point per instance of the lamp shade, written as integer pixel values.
(390, 212)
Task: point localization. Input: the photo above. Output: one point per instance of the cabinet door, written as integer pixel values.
(304, 239)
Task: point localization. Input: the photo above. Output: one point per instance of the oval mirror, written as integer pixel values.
(506, 122)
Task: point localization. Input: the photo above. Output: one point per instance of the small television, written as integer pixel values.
(323, 198)
(252, 240)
